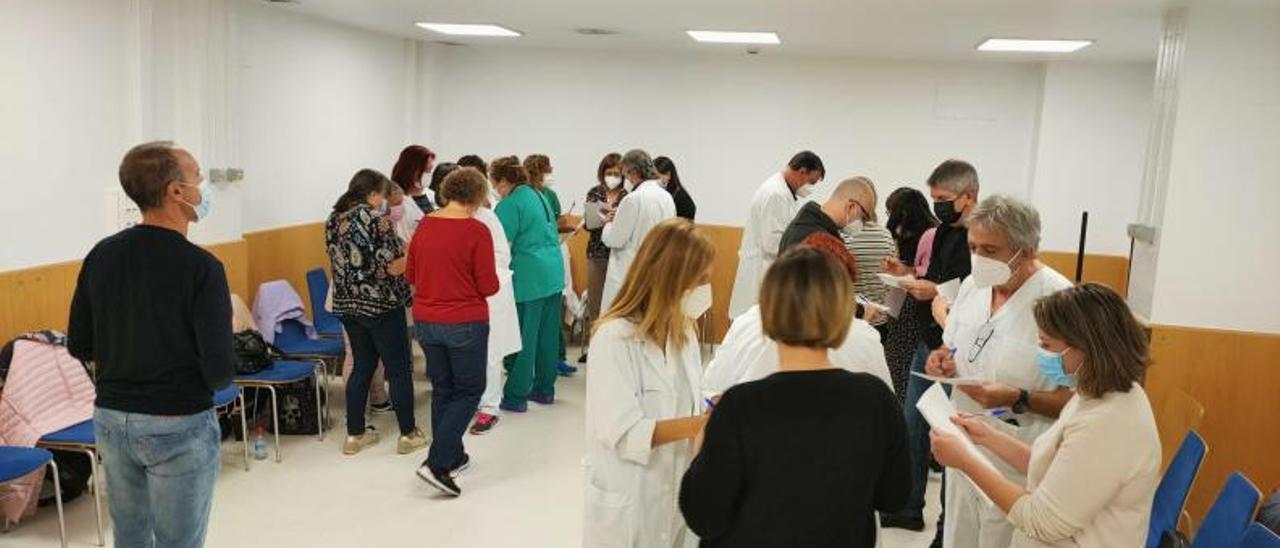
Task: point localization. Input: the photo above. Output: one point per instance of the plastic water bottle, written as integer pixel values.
(259, 447)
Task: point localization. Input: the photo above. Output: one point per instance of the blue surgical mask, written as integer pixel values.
(206, 201)
(1052, 368)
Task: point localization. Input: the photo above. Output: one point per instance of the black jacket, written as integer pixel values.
(810, 219)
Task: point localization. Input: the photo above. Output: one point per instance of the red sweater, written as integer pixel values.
(450, 265)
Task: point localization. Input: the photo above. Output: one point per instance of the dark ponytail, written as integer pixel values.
(363, 183)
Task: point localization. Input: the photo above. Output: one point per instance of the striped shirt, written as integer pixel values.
(869, 246)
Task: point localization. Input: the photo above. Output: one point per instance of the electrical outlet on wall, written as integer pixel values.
(217, 175)
(235, 175)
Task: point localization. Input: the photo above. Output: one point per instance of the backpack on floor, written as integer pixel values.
(297, 403)
(74, 470)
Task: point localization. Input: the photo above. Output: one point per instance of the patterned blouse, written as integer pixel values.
(362, 244)
(595, 247)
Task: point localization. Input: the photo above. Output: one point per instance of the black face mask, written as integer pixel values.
(946, 212)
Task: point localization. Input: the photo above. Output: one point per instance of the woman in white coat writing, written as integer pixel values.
(644, 402)
(646, 205)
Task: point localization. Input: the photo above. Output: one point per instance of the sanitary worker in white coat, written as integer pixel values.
(772, 208)
(647, 204)
(644, 398)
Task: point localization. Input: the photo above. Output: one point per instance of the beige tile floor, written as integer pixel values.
(523, 489)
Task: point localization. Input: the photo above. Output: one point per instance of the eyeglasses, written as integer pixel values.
(979, 343)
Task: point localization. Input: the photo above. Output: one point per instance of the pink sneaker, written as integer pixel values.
(484, 423)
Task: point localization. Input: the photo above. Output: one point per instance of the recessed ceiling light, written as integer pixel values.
(454, 29)
(1040, 46)
(729, 37)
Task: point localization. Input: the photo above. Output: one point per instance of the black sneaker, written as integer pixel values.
(439, 480)
(462, 466)
(582, 358)
(898, 521)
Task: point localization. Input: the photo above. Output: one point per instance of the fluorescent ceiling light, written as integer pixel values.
(1042, 46)
(469, 30)
(726, 37)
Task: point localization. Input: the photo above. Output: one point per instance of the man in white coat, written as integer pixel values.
(772, 208)
(647, 205)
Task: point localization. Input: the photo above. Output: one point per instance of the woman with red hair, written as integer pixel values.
(414, 161)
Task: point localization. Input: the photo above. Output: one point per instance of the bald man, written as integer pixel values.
(839, 211)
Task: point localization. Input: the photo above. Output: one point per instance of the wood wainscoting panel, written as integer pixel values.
(1109, 270)
(39, 297)
(1236, 377)
(235, 261)
(285, 254)
(36, 298)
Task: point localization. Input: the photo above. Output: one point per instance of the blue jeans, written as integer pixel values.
(373, 338)
(457, 358)
(917, 435)
(160, 472)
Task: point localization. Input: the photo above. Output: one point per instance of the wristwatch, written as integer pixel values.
(1020, 406)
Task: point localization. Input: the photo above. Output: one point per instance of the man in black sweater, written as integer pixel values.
(953, 185)
(153, 311)
(841, 209)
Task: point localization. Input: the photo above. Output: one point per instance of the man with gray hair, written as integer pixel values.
(953, 185)
(153, 312)
(991, 333)
(646, 205)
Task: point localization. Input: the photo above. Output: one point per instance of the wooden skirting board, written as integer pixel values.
(40, 297)
(1236, 377)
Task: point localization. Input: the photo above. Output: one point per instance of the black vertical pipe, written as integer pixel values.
(1084, 230)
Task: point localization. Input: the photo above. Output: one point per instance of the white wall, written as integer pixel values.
(731, 121)
(1093, 133)
(317, 102)
(1217, 261)
(63, 125)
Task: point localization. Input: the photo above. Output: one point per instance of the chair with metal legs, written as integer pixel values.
(231, 400)
(79, 438)
(16, 462)
(281, 373)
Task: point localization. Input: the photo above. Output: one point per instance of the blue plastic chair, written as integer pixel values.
(16, 462)
(1258, 536)
(1225, 524)
(1171, 494)
(79, 438)
(231, 401)
(317, 288)
(280, 373)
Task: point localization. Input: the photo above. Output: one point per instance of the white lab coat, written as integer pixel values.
(773, 207)
(408, 223)
(1007, 357)
(746, 354)
(631, 487)
(639, 211)
(504, 324)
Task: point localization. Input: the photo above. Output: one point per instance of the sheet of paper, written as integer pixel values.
(957, 381)
(592, 215)
(894, 281)
(893, 300)
(937, 410)
(950, 289)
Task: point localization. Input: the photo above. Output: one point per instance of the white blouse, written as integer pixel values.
(1092, 475)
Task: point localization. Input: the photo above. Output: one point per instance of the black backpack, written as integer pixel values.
(253, 353)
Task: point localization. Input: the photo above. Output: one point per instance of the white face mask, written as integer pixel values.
(804, 191)
(697, 301)
(854, 226)
(988, 272)
(548, 181)
(612, 181)
(627, 184)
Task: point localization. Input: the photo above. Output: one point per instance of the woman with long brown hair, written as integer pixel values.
(644, 401)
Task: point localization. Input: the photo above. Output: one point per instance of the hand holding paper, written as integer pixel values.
(937, 410)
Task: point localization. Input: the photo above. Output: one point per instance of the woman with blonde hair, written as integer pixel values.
(644, 401)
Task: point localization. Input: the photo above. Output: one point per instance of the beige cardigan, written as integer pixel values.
(1092, 475)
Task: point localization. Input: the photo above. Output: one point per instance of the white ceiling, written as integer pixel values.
(1125, 30)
